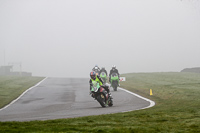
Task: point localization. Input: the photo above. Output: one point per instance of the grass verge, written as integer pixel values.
(12, 87)
(177, 109)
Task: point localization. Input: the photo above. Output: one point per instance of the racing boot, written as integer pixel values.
(92, 95)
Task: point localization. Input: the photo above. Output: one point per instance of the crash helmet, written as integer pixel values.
(93, 75)
(113, 67)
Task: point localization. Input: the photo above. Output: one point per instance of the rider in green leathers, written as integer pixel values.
(103, 74)
(103, 70)
(113, 70)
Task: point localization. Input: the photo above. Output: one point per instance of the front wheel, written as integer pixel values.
(110, 103)
(115, 86)
(101, 100)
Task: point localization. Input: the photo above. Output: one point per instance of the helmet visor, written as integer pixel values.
(93, 76)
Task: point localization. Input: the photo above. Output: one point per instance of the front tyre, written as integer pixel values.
(115, 86)
(101, 100)
(110, 103)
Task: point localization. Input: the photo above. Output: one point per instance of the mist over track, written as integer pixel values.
(56, 98)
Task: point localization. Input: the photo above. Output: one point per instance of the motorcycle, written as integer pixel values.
(103, 76)
(114, 81)
(101, 95)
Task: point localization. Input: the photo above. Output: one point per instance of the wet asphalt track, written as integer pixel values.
(57, 98)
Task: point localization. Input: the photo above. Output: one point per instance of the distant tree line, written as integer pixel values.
(192, 70)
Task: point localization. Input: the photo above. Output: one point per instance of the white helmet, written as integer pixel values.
(113, 67)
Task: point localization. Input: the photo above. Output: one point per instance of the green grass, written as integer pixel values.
(13, 86)
(177, 109)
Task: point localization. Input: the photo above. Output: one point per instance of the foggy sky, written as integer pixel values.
(66, 38)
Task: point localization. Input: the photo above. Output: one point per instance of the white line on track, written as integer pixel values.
(152, 103)
(22, 94)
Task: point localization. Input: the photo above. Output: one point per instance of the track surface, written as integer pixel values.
(58, 98)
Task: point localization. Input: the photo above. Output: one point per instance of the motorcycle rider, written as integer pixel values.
(96, 68)
(103, 70)
(98, 79)
(113, 70)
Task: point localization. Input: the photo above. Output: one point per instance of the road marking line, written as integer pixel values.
(152, 103)
(22, 94)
